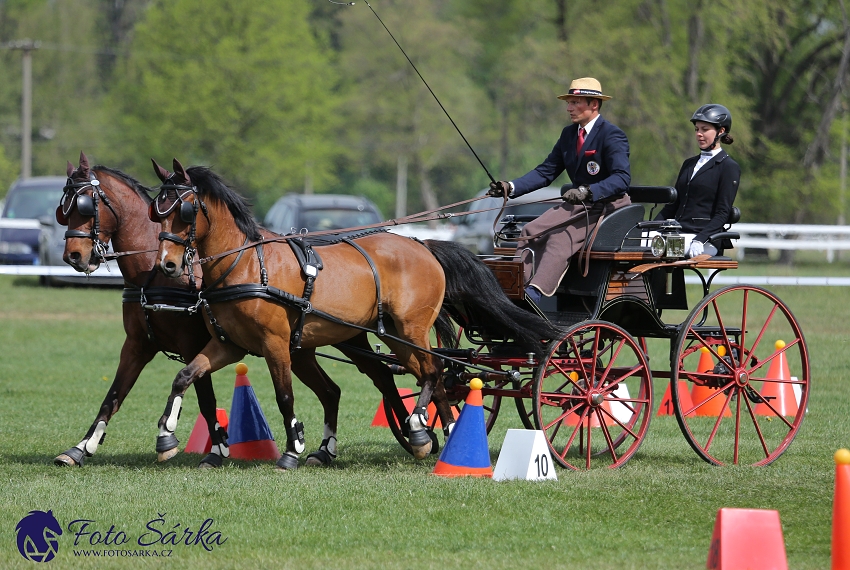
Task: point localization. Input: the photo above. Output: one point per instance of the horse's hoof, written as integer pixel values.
(166, 455)
(211, 461)
(421, 451)
(319, 458)
(72, 457)
(63, 460)
(287, 462)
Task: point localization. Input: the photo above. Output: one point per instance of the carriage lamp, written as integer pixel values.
(668, 246)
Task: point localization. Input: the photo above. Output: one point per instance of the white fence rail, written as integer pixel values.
(792, 237)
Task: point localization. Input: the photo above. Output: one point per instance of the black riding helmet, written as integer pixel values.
(715, 114)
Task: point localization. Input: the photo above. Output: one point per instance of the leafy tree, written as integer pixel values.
(246, 90)
(67, 115)
(390, 112)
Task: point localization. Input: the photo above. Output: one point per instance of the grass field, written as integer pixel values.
(376, 506)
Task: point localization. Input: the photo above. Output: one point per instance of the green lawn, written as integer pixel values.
(377, 506)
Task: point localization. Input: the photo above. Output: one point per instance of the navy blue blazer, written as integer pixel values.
(603, 164)
(703, 202)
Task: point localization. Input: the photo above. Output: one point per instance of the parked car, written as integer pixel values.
(28, 202)
(475, 231)
(319, 212)
(50, 251)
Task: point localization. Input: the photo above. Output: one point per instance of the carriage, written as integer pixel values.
(736, 359)
(738, 362)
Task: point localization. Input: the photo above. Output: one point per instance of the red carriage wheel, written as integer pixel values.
(745, 359)
(592, 396)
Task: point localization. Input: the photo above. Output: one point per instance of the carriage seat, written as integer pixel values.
(721, 240)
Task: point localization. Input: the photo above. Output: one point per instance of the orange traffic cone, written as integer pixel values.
(250, 436)
(746, 539)
(700, 394)
(685, 400)
(466, 452)
(199, 440)
(841, 512)
(779, 394)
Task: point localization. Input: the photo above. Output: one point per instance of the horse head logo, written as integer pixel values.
(38, 536)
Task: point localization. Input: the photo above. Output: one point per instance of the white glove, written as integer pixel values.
(695, 249)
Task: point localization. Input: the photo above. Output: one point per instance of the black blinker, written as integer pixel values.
(187, 212)
(85, 205)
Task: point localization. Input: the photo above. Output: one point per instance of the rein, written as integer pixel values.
(425, 216)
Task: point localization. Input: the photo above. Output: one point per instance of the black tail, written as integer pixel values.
(471, 283)
(445, 329)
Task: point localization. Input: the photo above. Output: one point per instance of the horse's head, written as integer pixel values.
(176, 207)
(89, 215)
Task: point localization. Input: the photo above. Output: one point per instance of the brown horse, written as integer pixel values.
(102, 205)
(380, 276)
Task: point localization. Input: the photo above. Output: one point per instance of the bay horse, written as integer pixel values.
(103, 205)
(382, 282)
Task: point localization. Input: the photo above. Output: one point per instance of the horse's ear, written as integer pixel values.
(70, 169)
(161, 173)
(178, 169)
(84, 164)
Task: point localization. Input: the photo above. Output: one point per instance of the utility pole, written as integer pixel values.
(26, 46)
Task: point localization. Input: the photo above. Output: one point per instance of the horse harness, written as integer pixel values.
(311, 264)
(73, 195)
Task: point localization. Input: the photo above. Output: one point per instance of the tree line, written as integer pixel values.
(310, 96)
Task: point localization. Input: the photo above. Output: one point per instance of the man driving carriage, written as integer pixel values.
(595, 155)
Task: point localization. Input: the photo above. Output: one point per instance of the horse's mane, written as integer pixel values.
(140, 189)
(210, 184)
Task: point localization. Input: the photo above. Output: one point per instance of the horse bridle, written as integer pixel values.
(163, 206)
(73, 195)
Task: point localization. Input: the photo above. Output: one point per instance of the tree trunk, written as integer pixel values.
(696, 35)
(504, 135)
(401, 187)
(429, 198)
(666, 32)
(817, 149)
(561, 20)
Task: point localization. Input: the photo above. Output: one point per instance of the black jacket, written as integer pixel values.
(704, 201)
(603, 163)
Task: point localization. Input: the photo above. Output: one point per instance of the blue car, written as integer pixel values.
(29, 203)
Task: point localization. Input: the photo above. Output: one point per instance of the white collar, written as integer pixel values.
(710, 153)
(589, 125)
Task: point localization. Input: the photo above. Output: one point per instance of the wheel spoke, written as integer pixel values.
(611, 447)
(737, 439)
(708, 399)
(719, 419)
(725, 336)
(772, 356)
(611, 362)
(758, 428)
(764, 328)
(744, 324)
(621, 424)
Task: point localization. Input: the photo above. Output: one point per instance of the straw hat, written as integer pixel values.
(585, 87)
